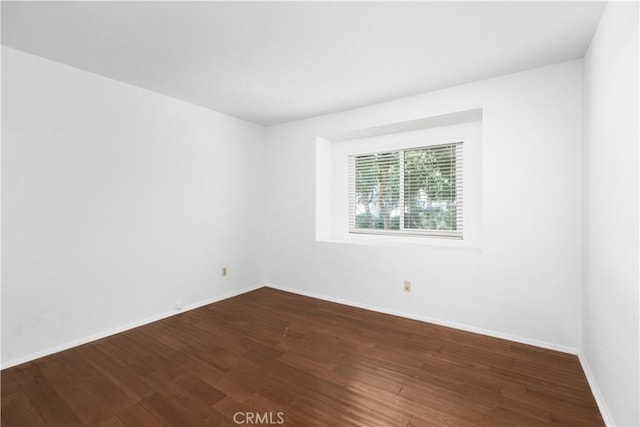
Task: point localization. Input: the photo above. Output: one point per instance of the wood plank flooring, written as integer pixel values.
(273, 356)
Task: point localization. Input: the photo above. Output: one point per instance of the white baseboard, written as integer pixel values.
(461, 326)
(123, 328)
(604, 411)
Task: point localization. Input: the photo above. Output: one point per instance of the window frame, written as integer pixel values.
(332, 178)
(457, 234)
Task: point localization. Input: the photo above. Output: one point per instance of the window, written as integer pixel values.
(410, 191)
(426, 165)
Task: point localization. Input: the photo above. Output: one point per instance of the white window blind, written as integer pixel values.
(410, 191)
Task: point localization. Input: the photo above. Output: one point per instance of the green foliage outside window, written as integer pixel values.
(426, 177)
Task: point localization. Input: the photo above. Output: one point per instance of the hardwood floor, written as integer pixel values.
(273, 356)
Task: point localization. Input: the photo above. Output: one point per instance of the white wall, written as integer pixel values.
(117, 203)
(610, 295)
(525, 279)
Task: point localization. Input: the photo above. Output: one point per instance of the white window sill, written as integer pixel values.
(403, 242)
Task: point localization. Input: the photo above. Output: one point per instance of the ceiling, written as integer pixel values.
(273, 62)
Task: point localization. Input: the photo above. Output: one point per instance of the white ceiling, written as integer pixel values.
(272, 62)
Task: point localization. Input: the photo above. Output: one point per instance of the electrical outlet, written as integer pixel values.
(224, 271)
(407, 286)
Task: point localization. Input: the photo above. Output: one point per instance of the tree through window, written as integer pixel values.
(411, 191)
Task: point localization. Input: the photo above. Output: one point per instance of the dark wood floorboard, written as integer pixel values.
(318, 363)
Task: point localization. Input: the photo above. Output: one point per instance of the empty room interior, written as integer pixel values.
(320, 213)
